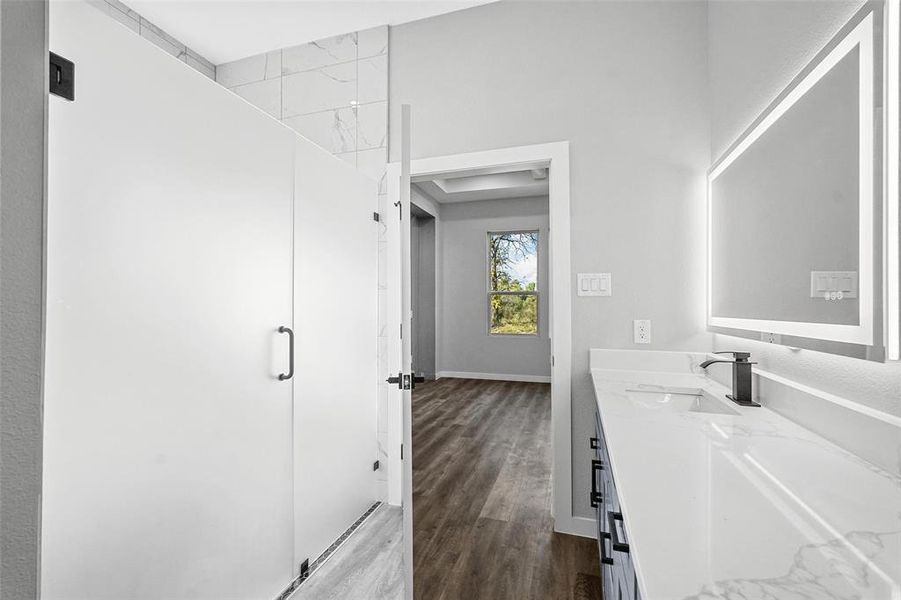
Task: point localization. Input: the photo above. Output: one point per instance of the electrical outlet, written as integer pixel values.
(641, 331)
(770, 338)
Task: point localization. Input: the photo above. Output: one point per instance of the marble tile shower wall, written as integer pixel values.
(155, 35)
(335, 93)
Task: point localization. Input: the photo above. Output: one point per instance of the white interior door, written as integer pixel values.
(399, 343)
(168, 436)
(336, 317)
(406, 345)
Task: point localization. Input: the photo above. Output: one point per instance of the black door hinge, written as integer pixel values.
(375, 466)
(375, 217)
(62, 77)
(305, 569)
(401, 451)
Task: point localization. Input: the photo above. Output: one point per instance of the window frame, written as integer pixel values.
(537, 292)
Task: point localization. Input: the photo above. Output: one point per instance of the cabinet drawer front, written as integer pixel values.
(618, 579)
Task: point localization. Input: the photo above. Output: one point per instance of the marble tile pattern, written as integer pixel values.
(134, 21)
(334, 92)
(743, 505)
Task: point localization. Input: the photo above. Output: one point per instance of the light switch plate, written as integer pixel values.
(641, 331)
(826, 283)
(594, 284)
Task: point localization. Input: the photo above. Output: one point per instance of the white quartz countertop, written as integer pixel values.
(745, 506)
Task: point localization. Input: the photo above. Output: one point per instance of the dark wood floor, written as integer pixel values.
(482, 524)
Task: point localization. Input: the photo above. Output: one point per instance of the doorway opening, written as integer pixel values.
(489, 279)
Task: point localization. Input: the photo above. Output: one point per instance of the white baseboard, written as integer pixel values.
(580, 526)
(493, 376)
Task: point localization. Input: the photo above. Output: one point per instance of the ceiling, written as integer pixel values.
(486, 186)
(226, 30)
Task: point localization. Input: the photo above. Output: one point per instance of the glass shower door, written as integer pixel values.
(168, 433)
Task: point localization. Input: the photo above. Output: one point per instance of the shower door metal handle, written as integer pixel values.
(290, 373)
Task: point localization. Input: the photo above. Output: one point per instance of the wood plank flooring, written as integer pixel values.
(369, 566)
(482, 497)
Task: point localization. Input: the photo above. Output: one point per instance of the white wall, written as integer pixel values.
(23, 97)
(466, 346)
(626, 84)
(755, 50)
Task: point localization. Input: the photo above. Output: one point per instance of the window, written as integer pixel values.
(513, 283)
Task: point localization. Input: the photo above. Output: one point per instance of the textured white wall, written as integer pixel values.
(626, 84)
(755, 49)
(23, 97)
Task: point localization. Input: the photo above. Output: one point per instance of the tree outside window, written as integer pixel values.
(513, 283)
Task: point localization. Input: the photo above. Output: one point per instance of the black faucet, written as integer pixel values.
(741, 376)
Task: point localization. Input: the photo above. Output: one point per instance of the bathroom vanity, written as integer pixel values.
(698, 497)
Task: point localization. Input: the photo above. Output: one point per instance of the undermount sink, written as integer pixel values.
(680, 399)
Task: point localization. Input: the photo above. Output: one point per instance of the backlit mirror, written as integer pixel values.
(795, 208)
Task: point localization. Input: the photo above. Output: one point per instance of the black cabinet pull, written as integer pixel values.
(596, 496)
(606, 560)
(617, 545)
(290, 373)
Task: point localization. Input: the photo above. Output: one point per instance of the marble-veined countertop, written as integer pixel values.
(746, 506)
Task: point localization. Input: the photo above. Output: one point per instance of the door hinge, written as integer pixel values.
(375, 466)
(375, 217)
(401, 451)
(305, 569)
(401, 331)
(62, 77)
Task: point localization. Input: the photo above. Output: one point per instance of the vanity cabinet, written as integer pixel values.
(617, 571)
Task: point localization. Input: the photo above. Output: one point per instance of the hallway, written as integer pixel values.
(482, 497)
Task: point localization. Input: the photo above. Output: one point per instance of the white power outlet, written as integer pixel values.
(641, 331)
(770, 338)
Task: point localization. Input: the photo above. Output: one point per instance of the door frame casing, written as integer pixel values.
(554, 155)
